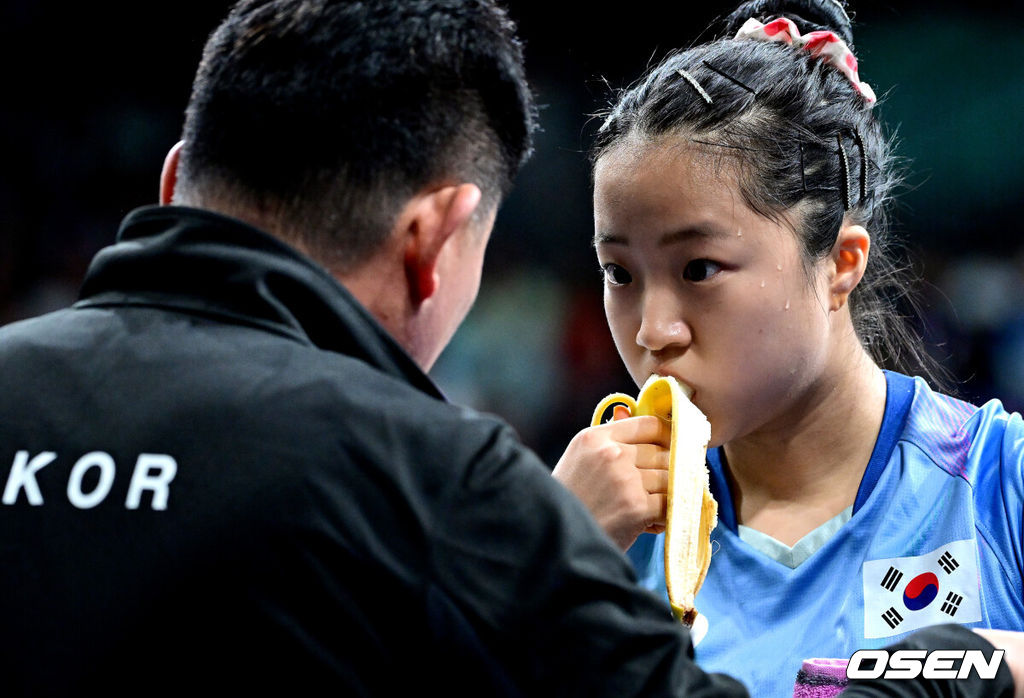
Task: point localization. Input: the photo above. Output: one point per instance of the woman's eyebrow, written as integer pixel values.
(670, 238)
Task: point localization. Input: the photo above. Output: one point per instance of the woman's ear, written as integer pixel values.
(169, 174)
(850, 257)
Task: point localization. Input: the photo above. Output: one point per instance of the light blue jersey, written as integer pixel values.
(935, 535)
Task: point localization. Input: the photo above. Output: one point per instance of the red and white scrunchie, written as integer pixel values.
(821, 44)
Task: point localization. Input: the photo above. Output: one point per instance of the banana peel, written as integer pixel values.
(692, 510)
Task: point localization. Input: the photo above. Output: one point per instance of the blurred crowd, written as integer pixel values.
(84, 136)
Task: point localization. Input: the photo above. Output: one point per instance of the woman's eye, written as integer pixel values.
(700, 270)
(615, 275)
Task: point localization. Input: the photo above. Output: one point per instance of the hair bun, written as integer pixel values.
(809, 15)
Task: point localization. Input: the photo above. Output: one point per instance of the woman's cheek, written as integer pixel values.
(623, 329)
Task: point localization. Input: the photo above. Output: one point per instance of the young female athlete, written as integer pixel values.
(740, 195)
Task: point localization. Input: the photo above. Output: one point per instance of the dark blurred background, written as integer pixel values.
(93, 96)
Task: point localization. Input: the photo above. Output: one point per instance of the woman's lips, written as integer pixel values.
(687, 387)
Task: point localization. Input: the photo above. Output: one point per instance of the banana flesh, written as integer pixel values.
(692, 511)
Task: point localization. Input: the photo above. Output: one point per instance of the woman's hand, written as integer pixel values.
(620, 471)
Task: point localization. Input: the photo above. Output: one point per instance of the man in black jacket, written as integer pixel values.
(225, 469)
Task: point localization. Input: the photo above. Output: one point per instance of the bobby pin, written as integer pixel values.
(847, 203)
(863, 165)
(696, 85)
(730, 78)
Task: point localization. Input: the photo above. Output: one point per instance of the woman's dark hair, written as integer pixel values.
(804, 140)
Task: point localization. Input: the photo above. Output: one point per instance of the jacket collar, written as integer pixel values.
(195, 260)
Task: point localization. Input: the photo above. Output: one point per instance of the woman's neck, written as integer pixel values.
(789, 478)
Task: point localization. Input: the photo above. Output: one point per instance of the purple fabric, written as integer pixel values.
(820, 678)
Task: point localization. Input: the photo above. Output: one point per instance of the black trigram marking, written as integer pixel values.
(892, 617)
(891, 579)
(952, 604)
(948, 562)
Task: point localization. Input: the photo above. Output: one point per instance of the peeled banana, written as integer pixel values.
(692, 511)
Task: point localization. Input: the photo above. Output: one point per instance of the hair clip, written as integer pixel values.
(844, 160)
(696, 85)
(847, 203)
(730, 78)
(863, 165)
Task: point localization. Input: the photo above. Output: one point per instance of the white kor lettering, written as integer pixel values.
(936, 664)
(142, 479)
(96, 459)
(23, 477)
(91, 479)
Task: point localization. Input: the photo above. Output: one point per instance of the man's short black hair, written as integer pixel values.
(324, 116)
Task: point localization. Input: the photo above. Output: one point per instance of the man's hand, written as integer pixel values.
(620, 472)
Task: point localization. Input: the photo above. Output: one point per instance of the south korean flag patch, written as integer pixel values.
(902, 594)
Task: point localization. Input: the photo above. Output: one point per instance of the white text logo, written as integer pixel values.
(92, 478)
(909, 664)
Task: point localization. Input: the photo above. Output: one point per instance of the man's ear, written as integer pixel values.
(850, 257)
(426, 224)
(169, 174)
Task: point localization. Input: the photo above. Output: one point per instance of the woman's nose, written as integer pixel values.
(662, 325)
